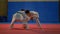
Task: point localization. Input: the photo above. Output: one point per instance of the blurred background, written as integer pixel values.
(3, 11)
(48, 9)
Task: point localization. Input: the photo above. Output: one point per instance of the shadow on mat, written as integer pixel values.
(31, 29)
(17, 29)
(23, 28)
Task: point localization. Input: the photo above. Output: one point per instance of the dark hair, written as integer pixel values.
(22, 10)
(27, 11)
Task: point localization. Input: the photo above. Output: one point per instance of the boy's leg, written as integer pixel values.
(25, 24)
(12, 22)
(36, 17)
(38, 23)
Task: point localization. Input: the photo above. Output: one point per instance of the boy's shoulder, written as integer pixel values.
(33, 12)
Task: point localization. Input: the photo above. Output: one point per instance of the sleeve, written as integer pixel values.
(37, 14)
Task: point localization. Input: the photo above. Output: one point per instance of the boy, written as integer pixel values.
(19, 16)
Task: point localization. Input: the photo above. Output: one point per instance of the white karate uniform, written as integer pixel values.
(35, 14)
(20, 15)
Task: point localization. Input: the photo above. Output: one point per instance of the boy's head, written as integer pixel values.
(27, 12)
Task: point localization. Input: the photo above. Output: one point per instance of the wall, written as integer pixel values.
(48, 11)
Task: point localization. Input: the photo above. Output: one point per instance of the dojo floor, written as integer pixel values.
(18, 29)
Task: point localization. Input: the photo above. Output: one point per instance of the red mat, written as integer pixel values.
(18, 29)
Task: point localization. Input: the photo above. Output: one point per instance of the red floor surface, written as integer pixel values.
(18, 29)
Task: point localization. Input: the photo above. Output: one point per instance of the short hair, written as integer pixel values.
(27, 11)
(22, 10)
